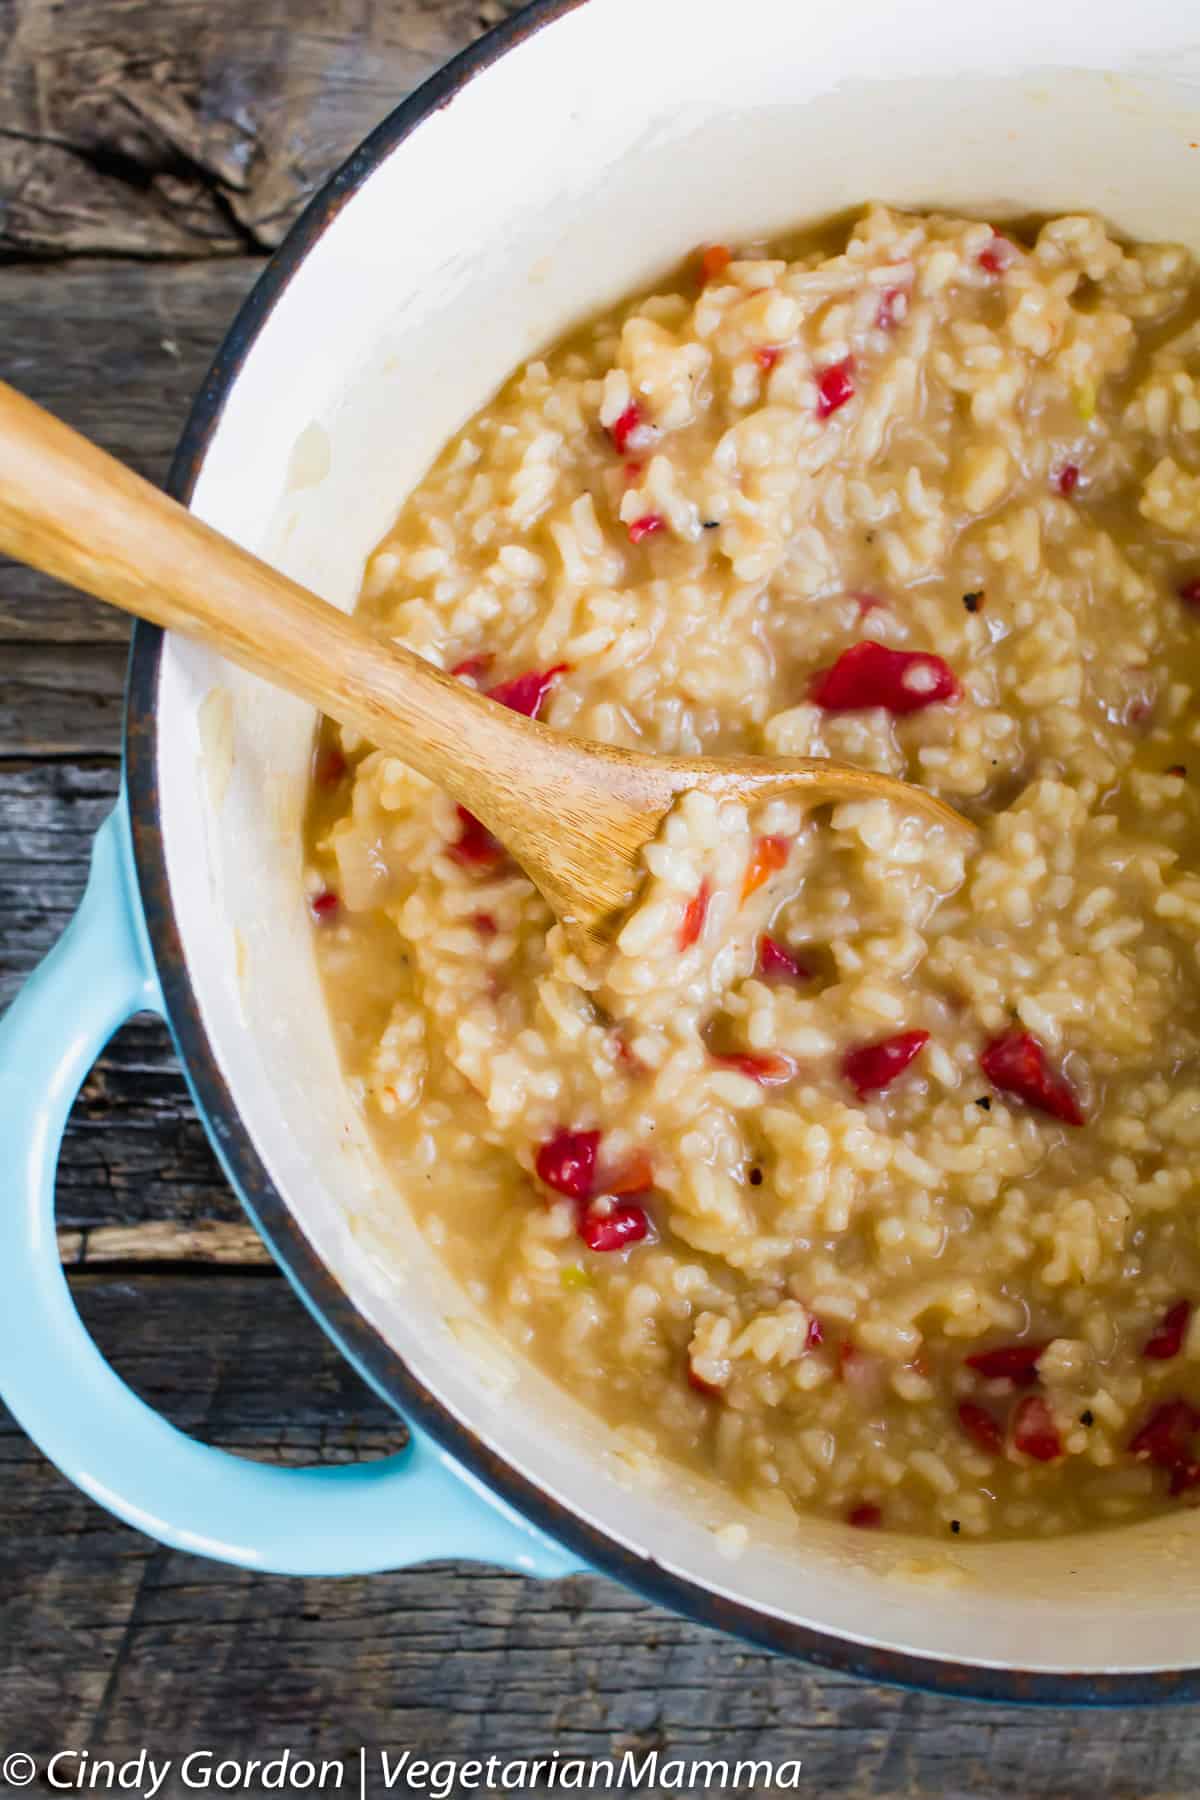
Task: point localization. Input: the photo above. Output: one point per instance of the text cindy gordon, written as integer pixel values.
(367, 1772)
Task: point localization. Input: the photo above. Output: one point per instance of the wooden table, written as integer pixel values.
(151, 153)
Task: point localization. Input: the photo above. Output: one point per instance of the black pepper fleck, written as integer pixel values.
(756, 1176)
(1088, 1417)
(955, 1527)
(984, 1100)
(973, 602)
(710, 524)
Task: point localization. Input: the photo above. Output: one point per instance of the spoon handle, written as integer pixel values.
(71, 510)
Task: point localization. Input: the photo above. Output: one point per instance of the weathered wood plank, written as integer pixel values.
(209, 1243)
(118, 350)
(197, 128)
(110, 1644)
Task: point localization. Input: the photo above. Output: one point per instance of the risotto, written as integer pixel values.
(864, 1174)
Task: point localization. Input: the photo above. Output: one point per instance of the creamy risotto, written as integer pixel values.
(863, 1175)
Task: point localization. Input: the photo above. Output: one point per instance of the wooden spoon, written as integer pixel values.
(574, 814)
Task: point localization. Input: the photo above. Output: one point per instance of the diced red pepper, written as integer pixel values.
(1016, 1064)
(865, 1517)
(709, 1389)
(625, 1224)
(714, 260)
(694, 915)
(473, 668)
(324, 905)
(1165, 1438)
(873, 1067)
(484, 924)
(889, 314)
(634, 1176)
(626, 426)
(767, 356)
(1067, 480)
(567, 1163)
(835, 385)
(1034, 1432)
(773, 959)
(1009, 1362)
(633, 472)
(815, 1336)
(767, 858)
(998, 256)
(525, 693)
(769, 1070)
(869, 674)
(1166, 1340)
(982, 1429)
(869, 603)
(330, 766)
(1189, 592)
(1184, 1477)
(647, 526)
(475, 847)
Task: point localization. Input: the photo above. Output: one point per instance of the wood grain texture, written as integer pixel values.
(135, 128)
(106, 1641)
(118, 350)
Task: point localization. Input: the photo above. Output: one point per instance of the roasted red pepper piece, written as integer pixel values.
(626, 426)
(525, 693)
(835, 385)
(694, 915)
(888, 316)
(1034, 1432)
(647, 526)
(865, 1517)
(634, 1176)
(473, 668)
(1016, 1064)
(1165, 1438)
(709, 1389)
(998, 256)
(869, 674)
(714, 260)
(567, 1163)
(324, 905)
(873, 1067)
(330, 766)
(769, 1070)
(475, 847)
(626, 1223)
(773, 959)
(1009, 1362)
(1166, 1340)
(982, 1429)
(767, 858)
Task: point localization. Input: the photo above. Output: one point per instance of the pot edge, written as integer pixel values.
(317, 1287)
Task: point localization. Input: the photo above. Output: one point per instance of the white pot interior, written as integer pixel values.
(581, 165)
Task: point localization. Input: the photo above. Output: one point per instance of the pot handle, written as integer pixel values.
(344, 1520)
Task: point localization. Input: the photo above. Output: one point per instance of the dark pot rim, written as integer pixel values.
(266, 1207)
